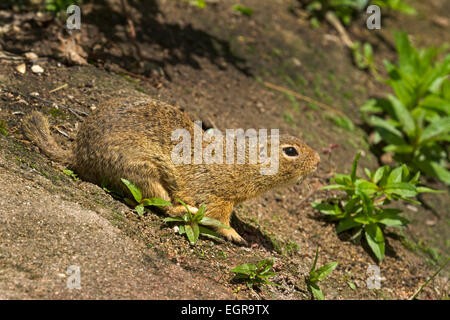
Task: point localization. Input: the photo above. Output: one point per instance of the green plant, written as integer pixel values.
(363, 208)
(193, 225)
(396, 5)
(316, 275)
(198, 3)
(56, 6)
(255, 274)
(414, 124)
(244, 10)
(142, 203)
(342, 122)
(348, 10)
(71, 174)
(363, 57)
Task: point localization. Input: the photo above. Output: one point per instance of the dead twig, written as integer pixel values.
(58, 88)
(77, 113)
(334, 21)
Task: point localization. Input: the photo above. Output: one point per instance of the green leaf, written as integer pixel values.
(200, 214)
(387, 131)
(346, 224)
(190, 234)
(196, 231)
(442, 173)
(140, 209)
(351, 285)
(335, 187)
(244, 10)
(354, 166)
(173, 219)
(316, 291)
(362, 219)
(390, 218)
(326, 208)
(209, 233)
(342, 179)
(403, 189)
(428, 190)
(435, 129)
(368, 173)
(324, 271)
(403, 115)
(371, 106)
(395, 176)
(244, 268)
(316, 257)
(158, 202)
(343, 122)
(133, 189)
(399, 149)
(375, 240)
(363, 186)
(368, 205)
(436, 103)
(353, 205)
(379, 174)
(188, 212)
(211, 222)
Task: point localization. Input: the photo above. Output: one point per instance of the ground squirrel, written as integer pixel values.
(133, 140)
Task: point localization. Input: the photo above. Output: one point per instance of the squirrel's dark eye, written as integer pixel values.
(290, 151)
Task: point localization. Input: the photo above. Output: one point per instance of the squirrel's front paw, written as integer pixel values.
(231, 235)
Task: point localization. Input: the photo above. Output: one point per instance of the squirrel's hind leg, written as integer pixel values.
(222, 211)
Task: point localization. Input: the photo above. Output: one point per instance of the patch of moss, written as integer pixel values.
(3, 128)
(56, 113)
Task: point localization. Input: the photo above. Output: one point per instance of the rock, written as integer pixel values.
(21, 68)
(31, 56)
(37, 69)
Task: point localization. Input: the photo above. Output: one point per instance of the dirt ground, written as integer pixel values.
(214, 63)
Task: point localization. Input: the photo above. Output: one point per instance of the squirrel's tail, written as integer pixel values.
(37, 129)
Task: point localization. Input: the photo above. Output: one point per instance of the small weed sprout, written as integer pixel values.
(316, 275)
(349, 10)
(142, 203)
(255, 274)
(363, 57)
(362, 208)
(243, 10)
(198, 3)
(71, 174)
(194, 225)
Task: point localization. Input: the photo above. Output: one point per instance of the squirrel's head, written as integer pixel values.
(296, 160)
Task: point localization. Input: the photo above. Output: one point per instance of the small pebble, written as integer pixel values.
(31, 56)
(37, 69)
(22, 68)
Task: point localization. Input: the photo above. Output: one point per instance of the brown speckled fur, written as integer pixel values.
(132, 140)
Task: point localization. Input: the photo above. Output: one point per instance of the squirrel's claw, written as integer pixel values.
(231, 235)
